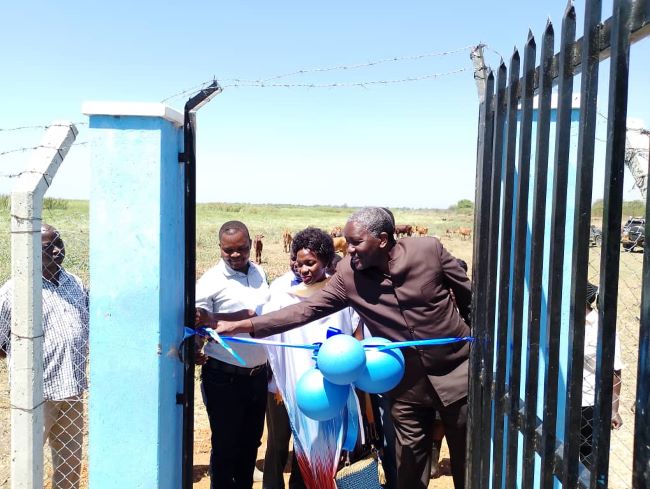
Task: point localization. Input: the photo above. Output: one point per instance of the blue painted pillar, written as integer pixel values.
(136, 282)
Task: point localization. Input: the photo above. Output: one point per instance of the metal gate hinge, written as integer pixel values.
(181, 157)
(180, 398)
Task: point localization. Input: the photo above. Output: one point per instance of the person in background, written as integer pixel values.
(278, 428)
(234, 394)
(589, 378)
(317, 444)
(65, 355)
(400, 289)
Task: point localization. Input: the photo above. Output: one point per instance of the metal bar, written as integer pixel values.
(505, 268)
(641, 460)
(520, 247)
(492, 259)
(639, 29)
(558, 229)
(537, 254)
(581, 230)
(189, 133)
(609, 265)
(475, 421)
(26, 375)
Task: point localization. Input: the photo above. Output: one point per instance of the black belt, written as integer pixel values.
(228, 368)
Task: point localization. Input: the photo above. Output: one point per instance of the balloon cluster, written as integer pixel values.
(342, 360)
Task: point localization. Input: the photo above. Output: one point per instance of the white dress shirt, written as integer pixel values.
(222, 289)
(589, 370)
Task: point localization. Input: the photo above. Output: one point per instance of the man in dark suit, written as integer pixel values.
(401, 289)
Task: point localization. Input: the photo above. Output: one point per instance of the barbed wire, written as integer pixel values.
(264, 82)
(20, 128)
(344, 84)
(32, 148)
(369, 64)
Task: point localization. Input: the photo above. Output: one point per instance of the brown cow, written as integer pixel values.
(465, 233)
(257, 246)
(336, 232)
(403, 230)
(286, 240)
(421, 231)
(340, 244)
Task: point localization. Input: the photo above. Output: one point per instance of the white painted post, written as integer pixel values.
(26, 317)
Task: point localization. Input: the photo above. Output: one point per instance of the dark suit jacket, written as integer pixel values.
(412, 303)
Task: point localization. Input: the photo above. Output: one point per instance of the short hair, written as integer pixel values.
(376, 220)
(231, 227)
(315, 240)
(388, 211)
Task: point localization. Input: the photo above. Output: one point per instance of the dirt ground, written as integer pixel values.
(202, 456)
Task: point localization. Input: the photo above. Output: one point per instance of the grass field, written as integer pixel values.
(71, 218)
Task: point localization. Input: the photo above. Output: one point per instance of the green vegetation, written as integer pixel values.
(71, 218)
(634, 208)
(464, 206)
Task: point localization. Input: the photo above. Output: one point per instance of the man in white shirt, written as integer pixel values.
(234, 394)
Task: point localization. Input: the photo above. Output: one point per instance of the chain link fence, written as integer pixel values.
(628, 319)
(65, 328)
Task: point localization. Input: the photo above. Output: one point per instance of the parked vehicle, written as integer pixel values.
(633, 221)
(595, 236)
(633, 237)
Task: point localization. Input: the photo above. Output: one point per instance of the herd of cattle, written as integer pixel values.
(341, 246)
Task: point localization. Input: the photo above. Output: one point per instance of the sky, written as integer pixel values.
(399, 144)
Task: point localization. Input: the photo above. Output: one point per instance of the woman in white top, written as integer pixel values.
(317, 444)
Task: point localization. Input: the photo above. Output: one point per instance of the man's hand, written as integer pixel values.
(200, 358)
(234, 327)
(202, 317)
(617, 421)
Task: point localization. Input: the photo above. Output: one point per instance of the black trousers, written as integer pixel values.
(414, 437)
(278, 431)
(587, 436)
(235, 404)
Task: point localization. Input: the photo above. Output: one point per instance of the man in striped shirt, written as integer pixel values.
(65, 350)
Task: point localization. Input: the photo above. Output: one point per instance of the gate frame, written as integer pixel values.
(494, 401)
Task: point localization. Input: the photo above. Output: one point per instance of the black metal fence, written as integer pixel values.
(531, 261)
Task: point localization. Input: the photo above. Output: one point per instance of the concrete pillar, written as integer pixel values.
(136, 284)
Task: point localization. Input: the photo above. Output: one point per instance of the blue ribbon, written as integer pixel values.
(351, 425)
(208, 332)
(211, 333)
(429, 342)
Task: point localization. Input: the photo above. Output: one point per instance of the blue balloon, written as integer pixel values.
(341, 359)
(318, 398)
(383, 370)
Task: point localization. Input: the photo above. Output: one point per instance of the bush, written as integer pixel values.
(51, 204)
(634, 208)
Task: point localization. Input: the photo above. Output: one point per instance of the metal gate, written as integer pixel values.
(531, 250)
